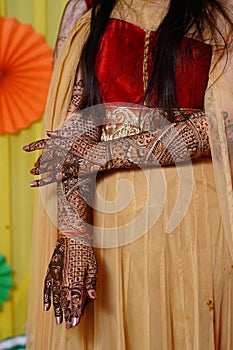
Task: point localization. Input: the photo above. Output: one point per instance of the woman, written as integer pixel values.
(155, 291)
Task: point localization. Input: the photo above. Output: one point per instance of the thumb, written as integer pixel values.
(92, 294)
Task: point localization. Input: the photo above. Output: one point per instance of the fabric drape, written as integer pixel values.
(17, 198)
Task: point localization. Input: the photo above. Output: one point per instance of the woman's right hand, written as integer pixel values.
(71, 279)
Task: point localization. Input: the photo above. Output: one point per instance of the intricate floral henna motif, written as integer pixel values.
(71, 275)
(176, 142)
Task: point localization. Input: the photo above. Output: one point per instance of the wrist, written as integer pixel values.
(83, 237)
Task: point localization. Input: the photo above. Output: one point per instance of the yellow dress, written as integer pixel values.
(165, 286)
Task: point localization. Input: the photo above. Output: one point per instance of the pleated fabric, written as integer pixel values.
(166, 290)
(163, 290)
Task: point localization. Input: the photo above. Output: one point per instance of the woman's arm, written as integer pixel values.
(70, 280)
(71, 276)
(177, 142)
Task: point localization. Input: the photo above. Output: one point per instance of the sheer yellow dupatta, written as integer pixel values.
(42, 331)
(219, 111)
(64, 74)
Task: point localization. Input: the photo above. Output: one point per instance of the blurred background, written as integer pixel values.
(16, 197)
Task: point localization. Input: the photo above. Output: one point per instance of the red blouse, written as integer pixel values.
(89, 3)
(120, 61)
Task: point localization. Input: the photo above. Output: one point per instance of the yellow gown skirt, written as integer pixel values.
(156, 290)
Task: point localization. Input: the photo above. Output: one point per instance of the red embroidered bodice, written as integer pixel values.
(120, 66)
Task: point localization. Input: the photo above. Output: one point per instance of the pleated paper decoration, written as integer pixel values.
(25, 73)
(5, 280)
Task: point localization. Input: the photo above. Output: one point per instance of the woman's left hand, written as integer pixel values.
(70, 281)
(57, 162)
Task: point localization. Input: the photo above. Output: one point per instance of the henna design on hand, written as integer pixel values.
(70, 279)
(71, 276)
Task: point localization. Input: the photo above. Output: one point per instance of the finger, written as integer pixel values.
(47, 293)
(47, 167)
(66, 306)
(77, 303)
(47, 180)
(57, 304)
(36, 145)
(57, 174)
(51, 161)
(70, 305)
(63, 133)
(91, 276)
(47, 156)
(56, 161)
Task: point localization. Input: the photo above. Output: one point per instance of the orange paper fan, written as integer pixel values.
(25, 72)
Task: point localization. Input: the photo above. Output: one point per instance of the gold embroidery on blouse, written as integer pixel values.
(145, 62)
(122, 121)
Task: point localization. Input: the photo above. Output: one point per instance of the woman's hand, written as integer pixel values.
(70, 279)
(59, 162)
(55, 163)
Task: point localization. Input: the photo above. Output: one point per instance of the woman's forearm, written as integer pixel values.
(75, 150)
(175, 143)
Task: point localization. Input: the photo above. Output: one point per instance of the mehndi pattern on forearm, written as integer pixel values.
(186, 138)
(75, 193)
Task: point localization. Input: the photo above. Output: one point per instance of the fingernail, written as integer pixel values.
(68, 325)
(34, 171)
(34, 184)
(46, 307)
(75, 321)
(26, 148)
(49, 133)
(92, 294)
(58, 320)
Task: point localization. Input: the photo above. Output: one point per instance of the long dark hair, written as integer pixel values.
(182, 17)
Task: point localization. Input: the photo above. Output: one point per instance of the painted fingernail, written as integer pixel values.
(34, 184)
(26, 148)
(46, 307)
(58, 320)
(68, 325)
(92, 294)
(34, 171)
(75, 321)
(49, 133)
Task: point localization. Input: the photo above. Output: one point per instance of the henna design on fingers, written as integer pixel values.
(68, 278)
